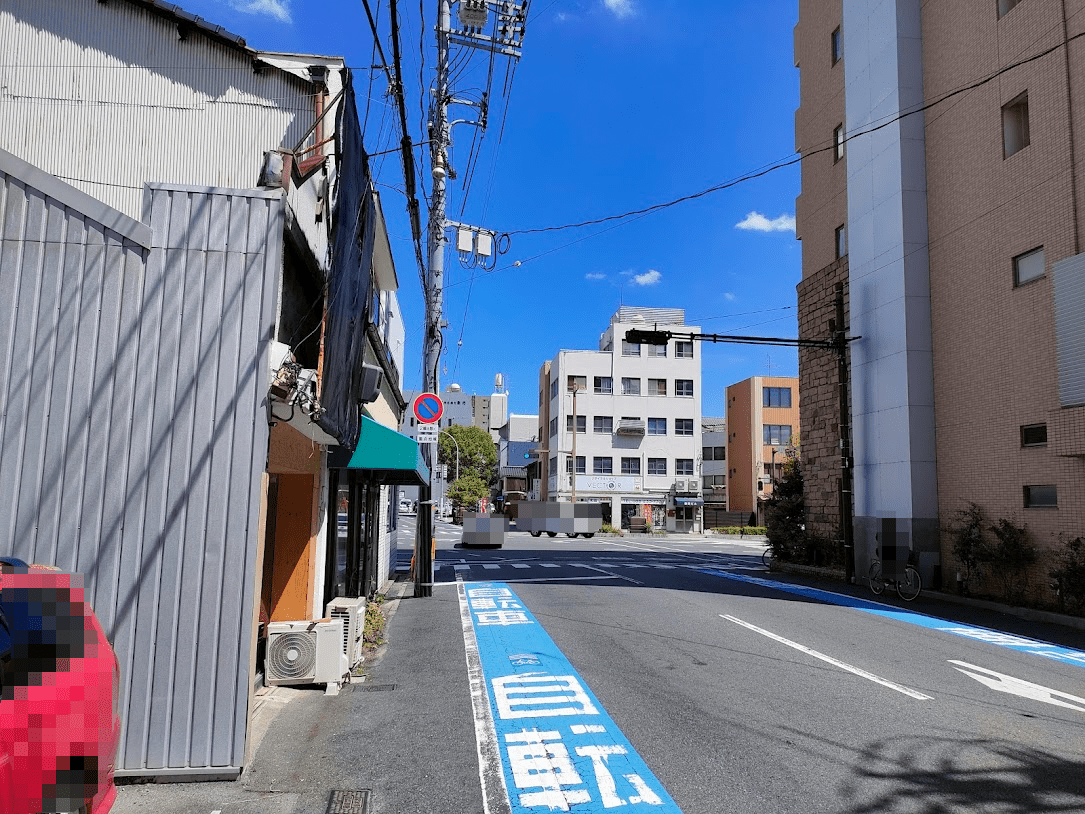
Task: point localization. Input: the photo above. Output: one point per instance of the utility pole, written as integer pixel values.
(840, 347)
(506, 38)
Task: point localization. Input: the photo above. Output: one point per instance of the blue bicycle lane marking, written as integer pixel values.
(559, 749)
(1021, 644)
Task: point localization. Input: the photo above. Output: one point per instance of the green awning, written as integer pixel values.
(390, 456)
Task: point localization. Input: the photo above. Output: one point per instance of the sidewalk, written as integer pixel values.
(399, 742)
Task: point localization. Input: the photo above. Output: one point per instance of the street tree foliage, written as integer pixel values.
(467, 491)
(785, 512)
(477, 454)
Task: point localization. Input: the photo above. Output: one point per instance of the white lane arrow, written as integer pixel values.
(1016, 686)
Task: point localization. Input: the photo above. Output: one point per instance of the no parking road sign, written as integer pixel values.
(428, 408)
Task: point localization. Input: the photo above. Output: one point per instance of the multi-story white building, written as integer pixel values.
(625, 423)
(714, 470)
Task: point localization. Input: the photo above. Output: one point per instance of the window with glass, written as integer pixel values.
(776, 434)
(683, 466)
(553, 388)
(683, 387)
(603, 424)
(1041, 497)
(604, 385)
(580, 465)
(841, 238)
(554, 465)
(1034, 435)
(630, 387)
(714, 453)
(1015, 125)
(657, 426)
(775, 396)
(657, 350)
(630, 466)
(838, 143)
(581, 423)
(657, 387)
(602, 466)
(836, 45)
(683, 349)
(683, 426)
(577, 383)
(554, 426)
(657, 466)
(1028, 266)
(630, 348)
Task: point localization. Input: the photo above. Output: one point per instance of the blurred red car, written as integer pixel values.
(59, 696)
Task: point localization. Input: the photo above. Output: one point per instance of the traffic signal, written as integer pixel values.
(647, 337)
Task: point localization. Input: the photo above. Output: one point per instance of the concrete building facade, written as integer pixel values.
(624, 423)
(953, 219)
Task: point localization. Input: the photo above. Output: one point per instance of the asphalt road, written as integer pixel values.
(745, 696)
(736, 690)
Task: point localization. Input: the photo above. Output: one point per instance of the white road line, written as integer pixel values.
(549, 565)
(495, 795)
(1017, 686)
(520, 565)
(830, 660)
(491, 566)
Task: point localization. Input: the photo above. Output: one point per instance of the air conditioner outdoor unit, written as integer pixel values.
(305, 653)
(352, 612)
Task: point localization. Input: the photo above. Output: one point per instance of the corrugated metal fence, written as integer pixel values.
(134, 435)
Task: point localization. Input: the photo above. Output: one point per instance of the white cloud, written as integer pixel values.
(729, 296)
(620, 8)
(594, 275)
(650, 277)
(279, 9)
(756, 222)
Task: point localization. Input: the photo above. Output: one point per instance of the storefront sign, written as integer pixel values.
(608, 483)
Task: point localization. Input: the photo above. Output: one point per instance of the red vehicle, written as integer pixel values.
(59, 696)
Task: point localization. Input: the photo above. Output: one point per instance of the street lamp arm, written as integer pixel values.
(454, 441)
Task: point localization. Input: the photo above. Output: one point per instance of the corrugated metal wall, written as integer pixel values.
(134, 438)
(119, 98)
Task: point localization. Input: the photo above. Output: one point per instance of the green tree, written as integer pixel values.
(785, 512)
(467, 491)
(477, 454)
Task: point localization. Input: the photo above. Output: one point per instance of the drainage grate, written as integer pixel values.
(363, 687)
(348, 802)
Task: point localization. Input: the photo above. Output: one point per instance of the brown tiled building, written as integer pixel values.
(942, 186)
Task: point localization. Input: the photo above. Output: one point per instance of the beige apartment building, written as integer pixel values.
(762, 421)
(942, 191)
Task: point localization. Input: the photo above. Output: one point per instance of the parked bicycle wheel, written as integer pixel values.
(874, 577)
(910, 586)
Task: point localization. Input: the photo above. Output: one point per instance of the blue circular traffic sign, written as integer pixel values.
(428, 408)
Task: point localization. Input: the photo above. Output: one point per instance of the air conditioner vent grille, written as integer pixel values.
(292, 655)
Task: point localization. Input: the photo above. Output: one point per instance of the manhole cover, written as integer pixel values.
(348, 802)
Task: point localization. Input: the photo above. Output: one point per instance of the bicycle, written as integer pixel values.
(908, 588)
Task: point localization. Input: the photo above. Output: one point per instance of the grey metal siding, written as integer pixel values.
(134, 438)
(1069, 284)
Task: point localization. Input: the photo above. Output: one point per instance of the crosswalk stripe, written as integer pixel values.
(549, 565)
(490, 566)
(520, 565)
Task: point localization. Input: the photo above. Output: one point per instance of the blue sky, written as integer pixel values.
(616, 105)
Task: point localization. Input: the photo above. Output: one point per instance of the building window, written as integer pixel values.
(657, 387)
(657, 350)
(602, 466)
(553, 426)
(577, 383)
(683, 466)
(554, 465)
(630, 466)
(1006, 6)
(630, 348)
(657, 466)
(1034, 435)
(841, 241)
(603, 424)
(837, 45)
(683, 349)
(630, 387)
(553, 388)
(775, 396)
(581, 423)
(1028, 266)
(838, 143)
(683, 387)
(604, 385)
(683, 426)
(1015, 125)
(580, 465)
(714, 453)
(657, 426)
(1041, 497)
(777, 434)
(714, 481)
